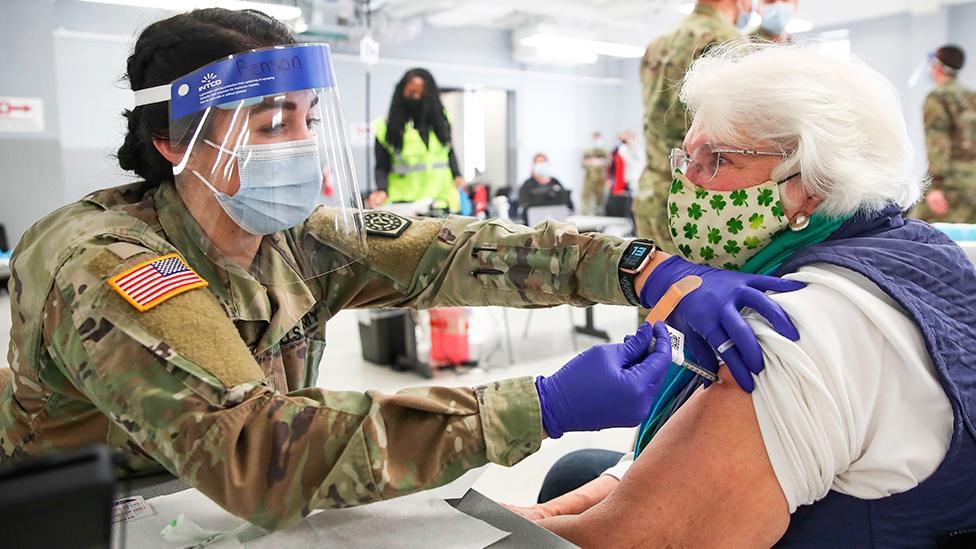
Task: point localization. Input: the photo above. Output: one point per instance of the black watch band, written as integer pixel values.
(627, 287)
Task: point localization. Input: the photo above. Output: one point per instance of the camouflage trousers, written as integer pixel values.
(593, 197)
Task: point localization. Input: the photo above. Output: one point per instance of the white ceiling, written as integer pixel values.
(620, 20)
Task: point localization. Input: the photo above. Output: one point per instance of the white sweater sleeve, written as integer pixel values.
(855, 405)
(618, 470)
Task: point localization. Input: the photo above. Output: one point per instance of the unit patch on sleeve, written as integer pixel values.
(387, 224)
(150, 283)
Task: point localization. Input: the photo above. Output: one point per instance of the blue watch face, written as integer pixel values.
(635, 256)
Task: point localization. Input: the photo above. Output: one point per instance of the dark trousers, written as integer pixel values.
(574, 470)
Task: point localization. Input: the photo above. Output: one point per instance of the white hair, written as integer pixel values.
(840, 121)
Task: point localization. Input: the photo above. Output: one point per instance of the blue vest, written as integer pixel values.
(934, 281)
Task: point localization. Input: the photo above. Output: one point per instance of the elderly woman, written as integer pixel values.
(861, 432)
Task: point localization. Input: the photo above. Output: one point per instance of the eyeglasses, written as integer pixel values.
(706, 160)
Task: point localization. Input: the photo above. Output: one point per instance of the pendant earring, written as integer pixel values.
(799, 223)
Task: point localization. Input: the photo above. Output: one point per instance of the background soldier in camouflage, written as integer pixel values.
(662, 68)
(661, 71)
(950, 141)
(595, 161)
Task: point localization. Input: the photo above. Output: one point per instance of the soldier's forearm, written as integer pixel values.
(319, 449)
(272, 457)
(495, 263)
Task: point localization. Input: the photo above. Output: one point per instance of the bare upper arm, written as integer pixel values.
(704, 481)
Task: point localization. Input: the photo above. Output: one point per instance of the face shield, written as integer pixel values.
(263, 162)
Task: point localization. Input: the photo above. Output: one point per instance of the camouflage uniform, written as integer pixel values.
(760, 36)
(216, 385)
(662, 70)
(950, 140)
(594, 183)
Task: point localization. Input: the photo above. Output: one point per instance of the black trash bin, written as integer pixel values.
(383, 335)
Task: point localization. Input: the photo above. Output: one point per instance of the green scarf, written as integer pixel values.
(766, 261)
(787, 242)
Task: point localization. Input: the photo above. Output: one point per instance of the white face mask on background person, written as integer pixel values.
(280, 185)
(541, 169)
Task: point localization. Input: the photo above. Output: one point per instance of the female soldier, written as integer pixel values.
(182, 319)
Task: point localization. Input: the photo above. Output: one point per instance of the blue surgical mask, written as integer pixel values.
(744, 16)
(280, 185)
(775, 17)
(541, 169)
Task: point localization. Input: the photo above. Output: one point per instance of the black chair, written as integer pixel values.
(60, 500)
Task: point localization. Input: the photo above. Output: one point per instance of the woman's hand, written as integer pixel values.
(376, 199)
(572, 503)
(710, 319)
(459, 182)
(534, 513)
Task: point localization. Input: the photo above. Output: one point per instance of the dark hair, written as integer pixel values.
(431, 113)
(951, 56)
(172, 47)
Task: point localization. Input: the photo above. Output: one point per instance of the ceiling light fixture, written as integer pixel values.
(553, 42)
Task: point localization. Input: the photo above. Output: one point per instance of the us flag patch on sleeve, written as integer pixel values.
(153, 282)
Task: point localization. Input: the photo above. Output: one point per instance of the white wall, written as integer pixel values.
(895, 46)
(555, 110)
(962, 21)
(30, 170)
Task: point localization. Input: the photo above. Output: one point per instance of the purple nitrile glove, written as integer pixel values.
(606, 385)
(709, 317)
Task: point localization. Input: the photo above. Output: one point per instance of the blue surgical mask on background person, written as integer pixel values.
(776, 17)
(541, 169)
(744, 15)
(280, 185)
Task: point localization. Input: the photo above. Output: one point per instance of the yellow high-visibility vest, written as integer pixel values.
(419, 171)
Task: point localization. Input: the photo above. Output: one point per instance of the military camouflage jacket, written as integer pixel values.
(661, 72)
(950, 138)
(216, 384)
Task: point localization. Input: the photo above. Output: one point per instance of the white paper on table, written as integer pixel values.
(418, 520)
(414, 521)
(146, 532)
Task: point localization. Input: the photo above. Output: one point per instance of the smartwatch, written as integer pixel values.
(634, 260)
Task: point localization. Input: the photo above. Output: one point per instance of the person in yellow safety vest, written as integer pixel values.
(414, 156)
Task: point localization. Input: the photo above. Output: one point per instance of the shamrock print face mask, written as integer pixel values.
(723, 228)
